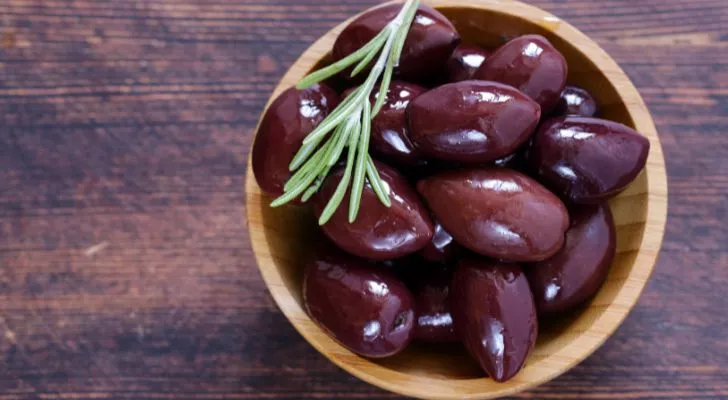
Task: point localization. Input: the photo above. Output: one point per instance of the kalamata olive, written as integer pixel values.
(288, 120)
(363, 307)
(497, 212)
(578, 270)
(472, 121)
(390, 138)
(378, 233)
(441, 247)
(432, 299)
(531, 64)
(586, 160)
(494, 314)
(430, 41)
(576, 101)
(464, 62)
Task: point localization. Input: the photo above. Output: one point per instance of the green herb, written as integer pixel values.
(349, 125)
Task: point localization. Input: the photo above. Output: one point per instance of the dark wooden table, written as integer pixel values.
(125, 267)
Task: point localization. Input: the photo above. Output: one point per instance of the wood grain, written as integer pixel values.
(125, 265)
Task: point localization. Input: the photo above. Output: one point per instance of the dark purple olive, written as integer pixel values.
(464, 62)
(378, 233)
(494, 314)
(576, 101)
(432, 299)
(587, 160)
(430, 41)
(288, 120)
(578, 270)
(497, 212)
(364, 308)
(441, 248)
(472, 121)
(390, 137)
(531, 64)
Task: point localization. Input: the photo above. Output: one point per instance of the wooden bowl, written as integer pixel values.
(280, 236)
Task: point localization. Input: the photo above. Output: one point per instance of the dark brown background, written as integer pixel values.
(125, 267)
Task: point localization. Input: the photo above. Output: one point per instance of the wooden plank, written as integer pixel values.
(125, 267)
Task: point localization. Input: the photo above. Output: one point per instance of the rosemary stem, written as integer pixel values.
(349, 125)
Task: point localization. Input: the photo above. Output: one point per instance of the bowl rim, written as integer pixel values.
(543, 369)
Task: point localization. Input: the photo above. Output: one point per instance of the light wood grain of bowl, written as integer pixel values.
(280, 237)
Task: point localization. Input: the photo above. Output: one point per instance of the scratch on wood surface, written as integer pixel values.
(8, 40)
(96, 248)
(267, 64)
(10, 336)
(679, 39)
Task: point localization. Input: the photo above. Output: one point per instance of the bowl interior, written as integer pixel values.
(281, 236)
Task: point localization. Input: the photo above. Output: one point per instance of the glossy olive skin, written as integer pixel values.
(288, 120)
(531, 64)
(517, 160)
(509, 161)
(378, 233)
(495, 316)
(497, 212)
(576, 101)
(579, 269)
(432, 298)
(364, 308)
(430, 41)
(389, 135)
(441, 248)
(587, 160)
(465, 62)
(472, 121)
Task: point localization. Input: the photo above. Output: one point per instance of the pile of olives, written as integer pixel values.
(498, 173)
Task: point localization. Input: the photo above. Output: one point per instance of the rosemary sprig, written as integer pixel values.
(349, 125)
